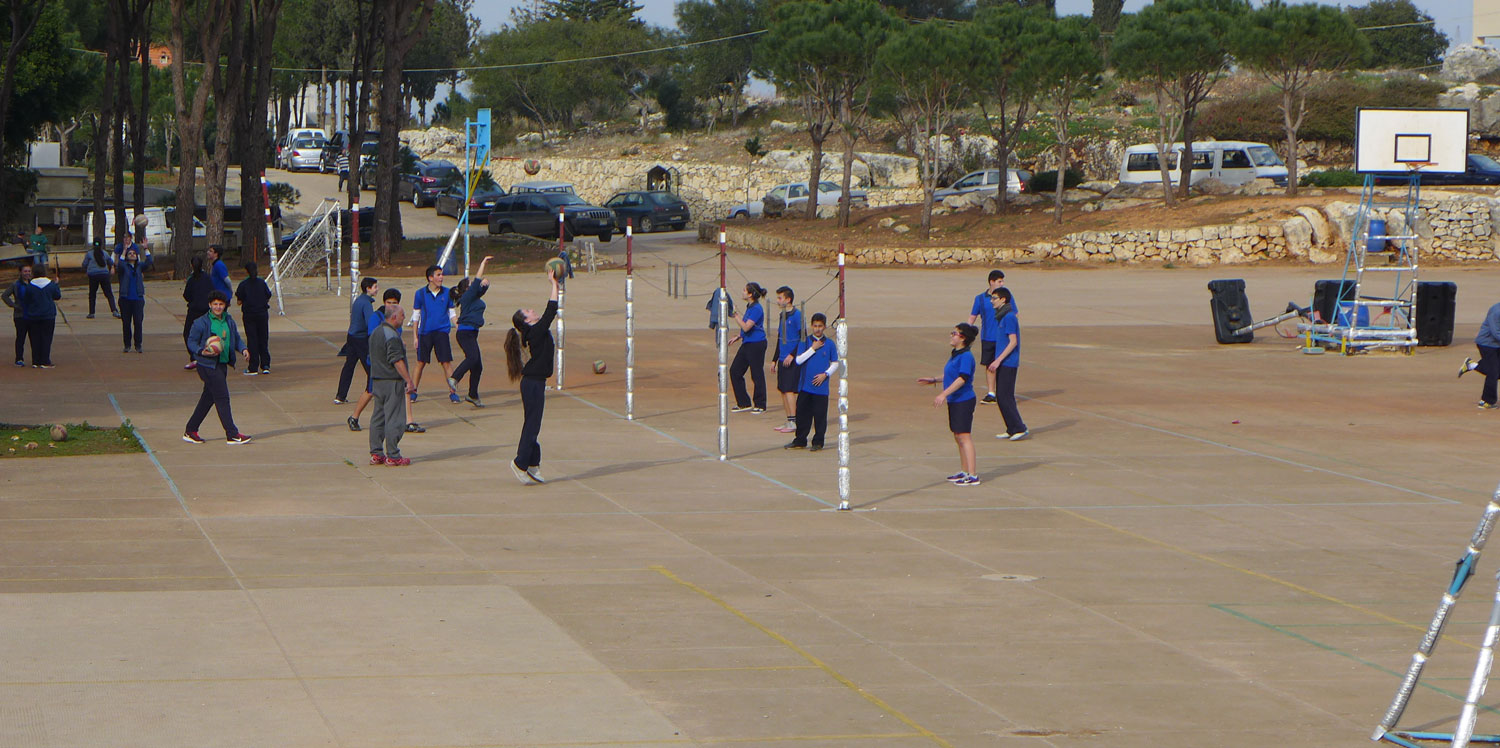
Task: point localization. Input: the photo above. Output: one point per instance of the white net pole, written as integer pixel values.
(629, 324)
(841, 340)
(265, 199)
(353, 248)
(723, 340)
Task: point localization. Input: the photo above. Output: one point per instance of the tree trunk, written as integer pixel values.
(819, 134)
(254, 141)
(229, 98)
(849, 133)
(1287, 96)
(102, 124)
(1061, 129)
(119, 149)
(405, 21)
(24, 15)
(190, 114)
(1164, 140)
(357, 89)
(140, 128)
(1186, 164)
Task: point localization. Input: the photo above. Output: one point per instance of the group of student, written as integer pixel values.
(999, 336)
(375, 340)
(804, 363)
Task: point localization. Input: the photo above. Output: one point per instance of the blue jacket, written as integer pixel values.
(1489, 331)
(198, 336)
(95, 270)
(713, 309)
(471, 307)
(132, 282)
(41, 303)
(359, 310)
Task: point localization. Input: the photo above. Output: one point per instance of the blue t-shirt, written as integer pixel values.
(757, 314)
(816, 364)
(1008, 327)
(373, 320)
(985, 311)
(220, 276)
(960, 364)
(434, 308)
(789, 334)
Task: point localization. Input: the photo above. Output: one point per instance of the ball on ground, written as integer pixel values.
(599, 366)
(59, 432)
(557, 267)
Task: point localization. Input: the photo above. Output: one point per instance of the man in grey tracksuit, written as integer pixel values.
(390, 383)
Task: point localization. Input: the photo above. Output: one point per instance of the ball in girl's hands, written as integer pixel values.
(557, 267)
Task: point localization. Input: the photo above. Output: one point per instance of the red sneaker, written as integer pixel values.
(398, 461)
(377, 459)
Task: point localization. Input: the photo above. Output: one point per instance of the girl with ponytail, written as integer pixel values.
(752, 353)
(533, 332)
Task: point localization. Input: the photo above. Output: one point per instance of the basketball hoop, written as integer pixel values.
(1416, 166)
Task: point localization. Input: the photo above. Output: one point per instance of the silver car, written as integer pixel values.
(794, 194)
(304, 153)
(986, 180)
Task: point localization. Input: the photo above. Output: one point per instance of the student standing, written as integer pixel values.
(981, 313)
(97, 265)
(131, 270)
(41, 316)
(213, 368)
(958, 396)
(471, 305)
(788, 374)
(533, 332)
(356, 350)
(819, 359)
(389, 386)
(254, 297)
(752, 352)
(430, 312)
(196, 291)
(15, 298)
(36, 244)
(1488, 343)
(1006, 365)
(218, 271)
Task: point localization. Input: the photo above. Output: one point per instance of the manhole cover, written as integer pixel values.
(1009, 578)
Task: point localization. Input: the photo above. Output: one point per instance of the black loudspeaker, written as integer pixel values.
(1327, 295)
(1435, 304)
(1231, 310)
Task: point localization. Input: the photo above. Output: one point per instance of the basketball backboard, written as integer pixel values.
(1399, 141)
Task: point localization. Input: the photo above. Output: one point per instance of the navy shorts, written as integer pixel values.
(986, 352)
(788, 378)
(429, 342)
(961, 416)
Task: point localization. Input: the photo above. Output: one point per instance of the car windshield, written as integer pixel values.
(368, 148)
(827, 187)
(1484, 162)
(484, 193)
(665, 198)
(308, 143)
(443, 172)
(557, 198)
(1263, 156)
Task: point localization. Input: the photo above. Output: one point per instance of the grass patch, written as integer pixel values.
(83, 439)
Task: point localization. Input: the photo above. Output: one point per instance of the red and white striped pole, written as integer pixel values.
(723, 341)
(561, 293)
(629, 321)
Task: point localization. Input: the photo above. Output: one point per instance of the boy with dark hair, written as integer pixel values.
(818, 359)
(430, 309)
(213, 366)
(254, 297)
(15, 298)
(788, 374)
(356, 338)
(218, 271)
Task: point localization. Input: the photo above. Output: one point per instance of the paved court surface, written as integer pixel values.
(1202, 545)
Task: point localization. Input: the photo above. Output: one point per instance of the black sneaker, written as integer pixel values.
(415, 428)
(89, 317)
(815, 448)
(795, 445)
(739, 409)
(353, 423)
(1467, 367)
(988, 398)
(238, 439)
(19, 362)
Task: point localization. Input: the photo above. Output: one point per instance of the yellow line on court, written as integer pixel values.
(1261, 575)
(402, 676)
(836, 675)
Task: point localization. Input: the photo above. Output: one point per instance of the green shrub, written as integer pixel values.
(1046, 181)
(1332, 178)
(1330, 109)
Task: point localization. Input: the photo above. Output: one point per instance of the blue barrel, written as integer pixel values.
(1377, 229)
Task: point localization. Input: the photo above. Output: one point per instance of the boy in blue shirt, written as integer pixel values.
(788, 374)
(958, 395)
(819, 359)
(356, 338)
(430, 316)
(218, 272)
(982, 314)
(1006, 365)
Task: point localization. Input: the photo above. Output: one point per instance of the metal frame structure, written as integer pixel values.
(1389, 291)
(1464, 733)
(476, 154)
(319, 243)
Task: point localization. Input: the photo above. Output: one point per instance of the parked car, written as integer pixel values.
(542, 186)
(650, 210)
(794, 194)
(366, 169)
(305, 152)
(1479, 169)
(535, 214)
(450, 202)
(986, 180)
(337, 146)
(285, 142)
(1232, 162)
(366, 229)
(423, 183)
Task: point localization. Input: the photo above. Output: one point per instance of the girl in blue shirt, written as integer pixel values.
(467, 295)
(752, 353)
(958, 395)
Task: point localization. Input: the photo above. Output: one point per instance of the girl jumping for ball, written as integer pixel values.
(533, 332)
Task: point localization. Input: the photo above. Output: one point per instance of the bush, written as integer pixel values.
(1330, 109)
(1332, 178)
(1046, 181)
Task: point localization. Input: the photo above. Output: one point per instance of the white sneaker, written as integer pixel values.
(521, 475)
(1023, 435)
(535, 473)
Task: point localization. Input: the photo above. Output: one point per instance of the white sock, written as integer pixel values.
(1473, 366)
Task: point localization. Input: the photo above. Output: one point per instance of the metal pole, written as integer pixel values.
(1470, 712)
(682, 280)
(265, 199)
(629, 324)
(671, 282)
(841, 341)
(353, 248)
(561, 227)
(723, 340)
(561, 333)
(463, 220)
(338, 258)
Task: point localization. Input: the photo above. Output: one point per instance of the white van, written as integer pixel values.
(1233, 162)
(158, 233)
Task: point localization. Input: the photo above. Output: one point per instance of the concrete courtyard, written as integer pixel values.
(1201, 545)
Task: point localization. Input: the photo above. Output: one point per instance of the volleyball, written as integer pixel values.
(59, 433)
(141, 220)
(213, 346)
(532, 166)
(557, 267)
(599, 366)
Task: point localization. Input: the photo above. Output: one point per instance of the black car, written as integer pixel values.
(650, 210)
(1480, 169)
(535, 214)
(450, 202)
(366, 229)
(422, 184)
(369, 164)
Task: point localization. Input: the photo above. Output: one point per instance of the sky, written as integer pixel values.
(1454, 17)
